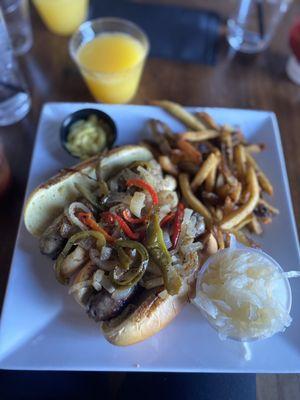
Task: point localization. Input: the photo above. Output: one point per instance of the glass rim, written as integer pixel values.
(89, 23)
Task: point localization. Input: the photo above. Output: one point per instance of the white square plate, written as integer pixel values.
(43, 329)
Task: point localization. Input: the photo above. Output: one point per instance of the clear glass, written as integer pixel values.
(14, 98)
(253, 24)
(17, 18)
(62, 17)
(110, 87)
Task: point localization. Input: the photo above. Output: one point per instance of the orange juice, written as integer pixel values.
(62, 16)
(111, 65)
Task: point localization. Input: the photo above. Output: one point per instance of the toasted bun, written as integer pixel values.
(149, 318)
(48, 200)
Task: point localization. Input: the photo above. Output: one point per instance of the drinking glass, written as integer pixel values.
(16, 14)
(14, 99)
(62, 17)
(253, 23)
(110, 86)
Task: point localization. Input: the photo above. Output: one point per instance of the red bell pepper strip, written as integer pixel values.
(166, 219)
(146, 186)
(129, 218)
(111, 218)
(176, 228)
(88, 220)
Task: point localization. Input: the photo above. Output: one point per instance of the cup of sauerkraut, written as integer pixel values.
(244, 294)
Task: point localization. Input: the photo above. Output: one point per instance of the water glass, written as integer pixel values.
(17, 18)
(14, 98)
(253, 24)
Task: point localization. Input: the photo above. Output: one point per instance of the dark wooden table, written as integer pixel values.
(256, 82)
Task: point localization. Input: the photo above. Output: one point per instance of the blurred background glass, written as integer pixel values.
(110, 53)
(62, 17)
(14, 98)
(253, 23)
(16, 14)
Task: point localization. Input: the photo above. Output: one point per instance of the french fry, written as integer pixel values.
(191, 199)
(211, 180)
(255, 148)
(220, 180)
(240, 161)
(167, 165)
(180, 113)
(227, 240)
(236, 192)
(218, 214)
(226, 145)
(271, 208)
(236, 216)
(199, 136)
(243, 223)
(190, 151)
(228, 205)
(220, 239)
(244, 239)
(209, 164)
(254, 226)
(207, 120)
(264, 182)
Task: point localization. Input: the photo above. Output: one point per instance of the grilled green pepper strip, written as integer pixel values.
(100, 242)
(137, 268)
(85, 192)
(124, 258)
(158, 251)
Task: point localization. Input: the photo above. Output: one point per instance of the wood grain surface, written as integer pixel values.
(255, 82)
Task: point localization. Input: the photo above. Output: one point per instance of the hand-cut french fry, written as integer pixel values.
(180, 113)
(220, 239)
(236, 192)
(227, 240)
(190, 151)
(264, 182)
(228, 205)
(218, 214)
(236, 216)
(199, 136)
(207, 120)
(244, 239)
(220, 180)
(211, 180)
(254, 226)
(240, 161)
(209, 164)
(191, 199)
(226, 145)
(271, 208)
(167, 165)
(243, 223)
(255, 148)
(266, 220)
(228, 175)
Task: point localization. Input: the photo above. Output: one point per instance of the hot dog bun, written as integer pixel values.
(48, 200)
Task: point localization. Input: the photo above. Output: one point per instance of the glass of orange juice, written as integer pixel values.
(110, 53)
(62, 17)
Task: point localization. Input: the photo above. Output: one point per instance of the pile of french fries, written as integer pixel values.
(217, 174)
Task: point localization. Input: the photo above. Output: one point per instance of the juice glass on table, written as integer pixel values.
(110, 54)
(62, 16)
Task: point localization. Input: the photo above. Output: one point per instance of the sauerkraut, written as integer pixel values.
(244, 295)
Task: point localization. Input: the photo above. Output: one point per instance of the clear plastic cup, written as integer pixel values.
(284, 288)
(15, 100)
(17, 18)
(253, 23)
(110, 86)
